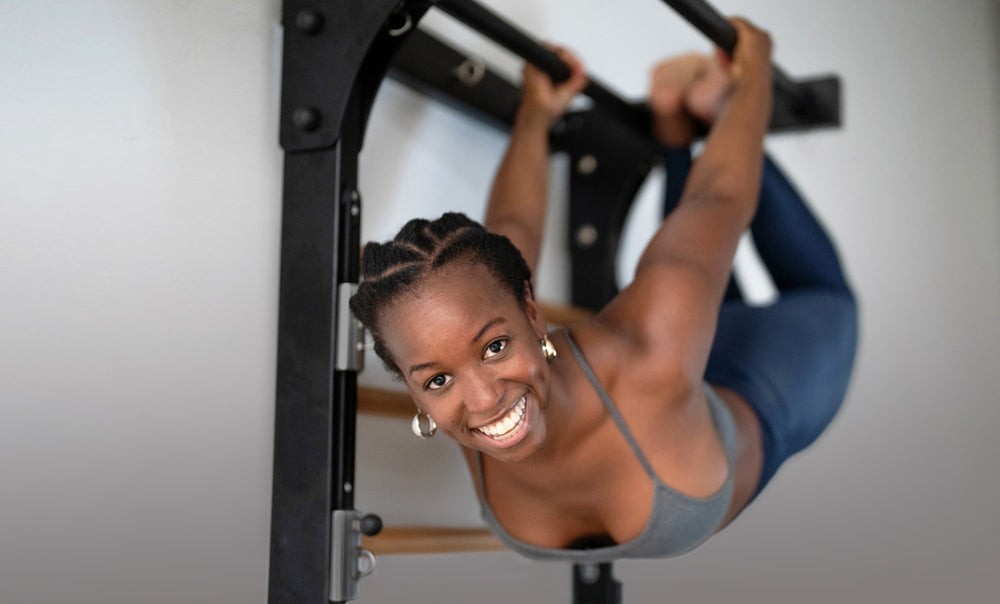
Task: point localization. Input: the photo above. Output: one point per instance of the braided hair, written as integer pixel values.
(395, 267)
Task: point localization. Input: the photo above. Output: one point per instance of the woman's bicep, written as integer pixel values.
(700, 237)
(668, 314)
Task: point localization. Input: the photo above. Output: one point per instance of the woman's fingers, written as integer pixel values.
(752, 53)
(542, 96)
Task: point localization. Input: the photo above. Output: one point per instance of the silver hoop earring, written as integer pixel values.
(423, 426)
(548, 349)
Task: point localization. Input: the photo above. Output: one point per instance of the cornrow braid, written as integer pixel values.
(395, 267)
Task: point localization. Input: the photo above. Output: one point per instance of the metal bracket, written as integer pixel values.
(608, 165)
(350, 332)
(349, 562)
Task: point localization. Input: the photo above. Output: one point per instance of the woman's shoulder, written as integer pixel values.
(620, 360)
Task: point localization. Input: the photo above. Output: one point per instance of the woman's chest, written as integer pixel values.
(602, 491)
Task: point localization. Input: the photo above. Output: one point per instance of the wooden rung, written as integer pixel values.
(562, 314)
(431, 540)
(375, 401)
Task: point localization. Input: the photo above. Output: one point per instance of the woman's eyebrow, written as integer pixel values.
(420, 366)
(479, 334)
(489, 324)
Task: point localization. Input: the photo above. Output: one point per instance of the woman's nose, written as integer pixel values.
(483, 391)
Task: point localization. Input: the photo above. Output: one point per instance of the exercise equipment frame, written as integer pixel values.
(335, 55)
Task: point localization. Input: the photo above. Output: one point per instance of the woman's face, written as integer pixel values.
(470, 357)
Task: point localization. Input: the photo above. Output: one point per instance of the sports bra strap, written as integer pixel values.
(610, 406)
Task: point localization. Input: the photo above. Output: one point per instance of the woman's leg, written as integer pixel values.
(790, 360)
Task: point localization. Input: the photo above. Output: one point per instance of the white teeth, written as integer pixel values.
(504, 428)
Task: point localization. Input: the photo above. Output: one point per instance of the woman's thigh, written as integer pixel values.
(791, 361)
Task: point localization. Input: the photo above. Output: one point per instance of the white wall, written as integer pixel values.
(139, 221)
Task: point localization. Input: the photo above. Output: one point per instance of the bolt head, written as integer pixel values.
(306, 119)
(586, 235)
(586, 164)
(309, 21)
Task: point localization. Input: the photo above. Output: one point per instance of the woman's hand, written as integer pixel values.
(542, 100)
(671, 85)
(751, 62)
(695, 88)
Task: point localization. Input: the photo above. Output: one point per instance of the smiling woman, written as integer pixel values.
(470, 356)
(665, 414)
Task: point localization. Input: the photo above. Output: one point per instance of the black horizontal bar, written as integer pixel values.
(431, 66)
(710, 22)
(521, 44)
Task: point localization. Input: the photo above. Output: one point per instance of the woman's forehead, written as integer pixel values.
(447, 303)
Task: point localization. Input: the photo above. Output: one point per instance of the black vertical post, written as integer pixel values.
(594, 584)
(323, 113)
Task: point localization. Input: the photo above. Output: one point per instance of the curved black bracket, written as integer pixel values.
(336, 54)
(608, 165)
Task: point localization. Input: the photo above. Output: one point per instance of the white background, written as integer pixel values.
(140, 200)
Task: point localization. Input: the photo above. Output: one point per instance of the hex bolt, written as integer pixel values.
(306, 119)
(308, 21)
(586, 164)
(586, 235)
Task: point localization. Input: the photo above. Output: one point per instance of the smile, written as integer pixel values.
(507, 426)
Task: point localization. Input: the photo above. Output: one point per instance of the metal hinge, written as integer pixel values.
(349, 562)
(350, 353)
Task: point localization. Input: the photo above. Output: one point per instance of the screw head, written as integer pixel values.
(586, 235)
(306, 119)
(589, 573)
(309, 21)
(586, 164)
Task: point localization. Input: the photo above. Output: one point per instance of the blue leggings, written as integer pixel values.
(790, 360)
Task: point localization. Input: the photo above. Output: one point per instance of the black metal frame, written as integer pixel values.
(336, 54)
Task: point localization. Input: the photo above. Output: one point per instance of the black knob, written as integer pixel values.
(371, 525)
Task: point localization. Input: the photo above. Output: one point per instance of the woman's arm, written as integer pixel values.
(517, 202)
(670, 308)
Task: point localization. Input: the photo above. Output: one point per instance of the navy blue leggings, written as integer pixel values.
(792, 359)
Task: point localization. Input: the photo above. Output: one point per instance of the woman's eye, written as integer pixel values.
(438, 381)
(495, 347)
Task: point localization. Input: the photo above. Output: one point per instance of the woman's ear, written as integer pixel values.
(535, 316)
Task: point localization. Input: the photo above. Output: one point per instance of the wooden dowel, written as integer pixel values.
(375, 401)
(431, 540)
(564, 314)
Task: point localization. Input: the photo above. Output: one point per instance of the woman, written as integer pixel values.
(646, 429)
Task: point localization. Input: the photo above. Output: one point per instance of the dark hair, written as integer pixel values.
(395, 267)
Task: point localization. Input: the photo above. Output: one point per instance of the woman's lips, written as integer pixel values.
(508, 429)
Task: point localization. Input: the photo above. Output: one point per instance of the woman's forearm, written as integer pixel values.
(730, 165)
(518, 199)
(516, 207)
(729, 168)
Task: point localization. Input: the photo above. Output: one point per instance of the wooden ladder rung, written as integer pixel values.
(564, 314)
(431, 540)
(376, 401)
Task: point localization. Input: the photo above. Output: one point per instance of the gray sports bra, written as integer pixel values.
(677, 524)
